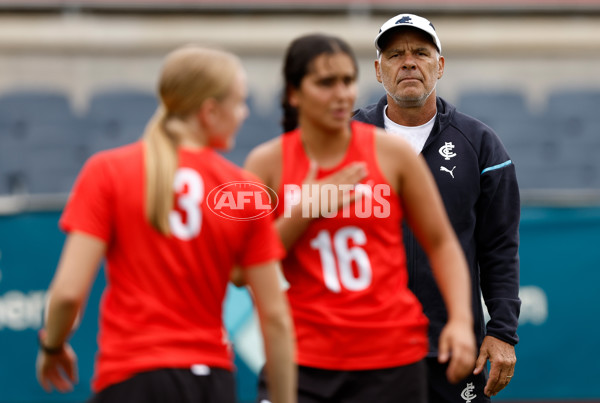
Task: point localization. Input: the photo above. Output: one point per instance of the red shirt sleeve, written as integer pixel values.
(89, 208)
(262, 243)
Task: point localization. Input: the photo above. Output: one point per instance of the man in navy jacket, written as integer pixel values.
(478, 184)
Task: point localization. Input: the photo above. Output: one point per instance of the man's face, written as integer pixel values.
(409, 66)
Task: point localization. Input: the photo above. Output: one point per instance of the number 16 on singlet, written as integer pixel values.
(337, 257)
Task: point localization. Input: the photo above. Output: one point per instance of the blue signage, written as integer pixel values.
(559, 276)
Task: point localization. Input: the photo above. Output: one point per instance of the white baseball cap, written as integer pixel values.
(408, 20)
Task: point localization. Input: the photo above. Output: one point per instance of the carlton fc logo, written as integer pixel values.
(446, 151)
(467, 393)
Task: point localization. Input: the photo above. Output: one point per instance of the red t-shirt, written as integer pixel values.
(348, 290)
(162, 306)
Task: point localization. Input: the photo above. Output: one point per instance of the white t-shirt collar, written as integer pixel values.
(415, 135)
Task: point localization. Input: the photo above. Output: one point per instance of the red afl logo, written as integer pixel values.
(242, 200)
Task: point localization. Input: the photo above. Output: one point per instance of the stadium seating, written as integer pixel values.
(506, 112)
(523, 133)
(573, 122)
(43, 143)
(40, 147)
(117, 117)
(574, 114)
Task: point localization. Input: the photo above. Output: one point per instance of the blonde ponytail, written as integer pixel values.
(190, 75)
(161, 163)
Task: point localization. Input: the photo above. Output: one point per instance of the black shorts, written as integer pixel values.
(214, 385)
(469, 390)
(406, 384)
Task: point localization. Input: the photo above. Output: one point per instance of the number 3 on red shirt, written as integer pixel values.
(186, 227)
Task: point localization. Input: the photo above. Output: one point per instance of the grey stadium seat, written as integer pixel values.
(117, 117)
(40, 145)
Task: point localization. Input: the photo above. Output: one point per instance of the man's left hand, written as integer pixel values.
(502, 359)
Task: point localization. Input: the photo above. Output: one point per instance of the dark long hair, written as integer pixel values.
(298, 58)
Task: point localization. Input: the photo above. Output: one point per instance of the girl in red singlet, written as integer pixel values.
(144, 208)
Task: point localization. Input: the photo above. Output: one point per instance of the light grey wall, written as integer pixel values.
(81, 53)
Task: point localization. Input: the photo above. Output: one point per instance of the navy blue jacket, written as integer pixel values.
(478, 185)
